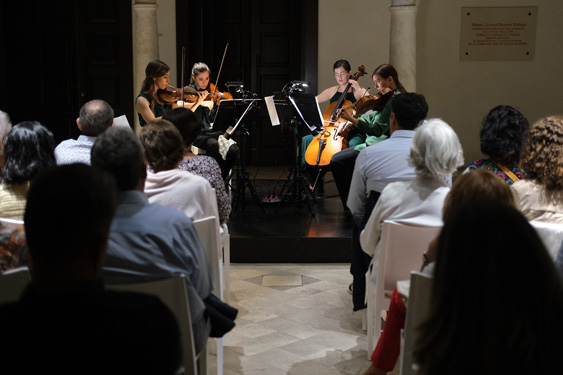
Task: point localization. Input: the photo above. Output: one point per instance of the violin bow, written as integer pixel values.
(220, 67)
(183, 66)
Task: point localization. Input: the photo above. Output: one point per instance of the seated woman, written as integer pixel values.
(29, 148)
(190, 127)
(502, 135)
(470, 187)
(540, 196)
(435, 154)
(497, 299)
(165, 183)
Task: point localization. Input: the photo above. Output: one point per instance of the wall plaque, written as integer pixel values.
(498, 33)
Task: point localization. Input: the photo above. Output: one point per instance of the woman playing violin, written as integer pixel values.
(373, 128)
(149, 106)
(205, 110)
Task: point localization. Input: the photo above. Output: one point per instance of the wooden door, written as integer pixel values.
(58, 55)
(270, 44)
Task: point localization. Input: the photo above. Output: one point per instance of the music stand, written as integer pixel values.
(238, 108)
(306, 114)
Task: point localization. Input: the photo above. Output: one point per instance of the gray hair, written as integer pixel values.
(435, 151)
(5, 126)
(95, 117)
(119, 152)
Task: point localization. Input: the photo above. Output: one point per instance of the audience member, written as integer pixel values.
(435, 154)
(95, 117)
(165, 183)
(540, 196)
(497, 299)
(502, 135)
(28, 149)
(149, 241)
(470, 187)
(375, 167)
(189, 127)
(5, 127)
(65, 320)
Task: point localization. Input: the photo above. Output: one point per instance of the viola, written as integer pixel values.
(330, 140)
(368, 103)
(170, 95)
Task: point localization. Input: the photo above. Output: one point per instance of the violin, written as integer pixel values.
(330, 140)
(215, 95)
(170, 95)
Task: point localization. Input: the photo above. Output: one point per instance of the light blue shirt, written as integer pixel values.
(152, 242)
(379, 165)
(75, 151)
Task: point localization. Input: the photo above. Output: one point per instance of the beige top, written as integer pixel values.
(12, 200)
(533, 202)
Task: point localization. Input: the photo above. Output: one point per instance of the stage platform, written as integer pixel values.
(290, 233)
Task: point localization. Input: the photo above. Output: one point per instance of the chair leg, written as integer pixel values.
(227, 269)
(219, 342)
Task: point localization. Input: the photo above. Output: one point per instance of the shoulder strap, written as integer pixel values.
(508, 172)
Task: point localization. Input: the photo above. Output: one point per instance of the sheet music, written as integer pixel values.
(272, 110)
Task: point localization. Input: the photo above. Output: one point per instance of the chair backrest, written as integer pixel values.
(207, 232)
(418, 309)
(172, 292)
(13, 246)
(401, 252)
(12, 284)
(551, 235)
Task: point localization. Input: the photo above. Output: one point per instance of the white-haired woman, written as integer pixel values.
(435, 154)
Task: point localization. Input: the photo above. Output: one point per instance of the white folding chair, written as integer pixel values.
(12, 284)
(172, 292)
(417, 311)
(550, 234)
(207, 232)
(401, 251)
(226, 242)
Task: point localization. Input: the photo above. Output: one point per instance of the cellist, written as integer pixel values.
(342, 73)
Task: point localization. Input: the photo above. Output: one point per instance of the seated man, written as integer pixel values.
(149, 241)
(65, 320)
(95, 117)
(375, 168)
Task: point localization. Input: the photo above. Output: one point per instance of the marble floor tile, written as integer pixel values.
(293, 319)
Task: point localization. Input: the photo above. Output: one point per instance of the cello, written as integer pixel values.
(330, 140)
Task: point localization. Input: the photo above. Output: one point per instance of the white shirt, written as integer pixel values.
(75, 151)
(182, 191)
(379, 165)
(418, 201)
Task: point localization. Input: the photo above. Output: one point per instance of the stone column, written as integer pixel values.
(402, 47)
(145, 46)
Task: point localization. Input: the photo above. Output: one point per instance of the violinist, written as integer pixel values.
(149, 106)
(205, 110)
(373, 128)
(342, 73)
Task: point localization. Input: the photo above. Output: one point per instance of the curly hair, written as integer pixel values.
(29, 148)
(163, 145)
(502, 135)
(542, 153)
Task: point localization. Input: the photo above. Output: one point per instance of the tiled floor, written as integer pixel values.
(294, 319)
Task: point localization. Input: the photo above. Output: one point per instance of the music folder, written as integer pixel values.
(307, 106)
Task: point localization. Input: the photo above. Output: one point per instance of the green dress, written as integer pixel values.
(374, 126)
(157, 109)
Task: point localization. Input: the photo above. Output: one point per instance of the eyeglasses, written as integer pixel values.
(341, 74)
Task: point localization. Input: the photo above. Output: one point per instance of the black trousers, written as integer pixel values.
(342, 166)
(209, 143)
(360, 260)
